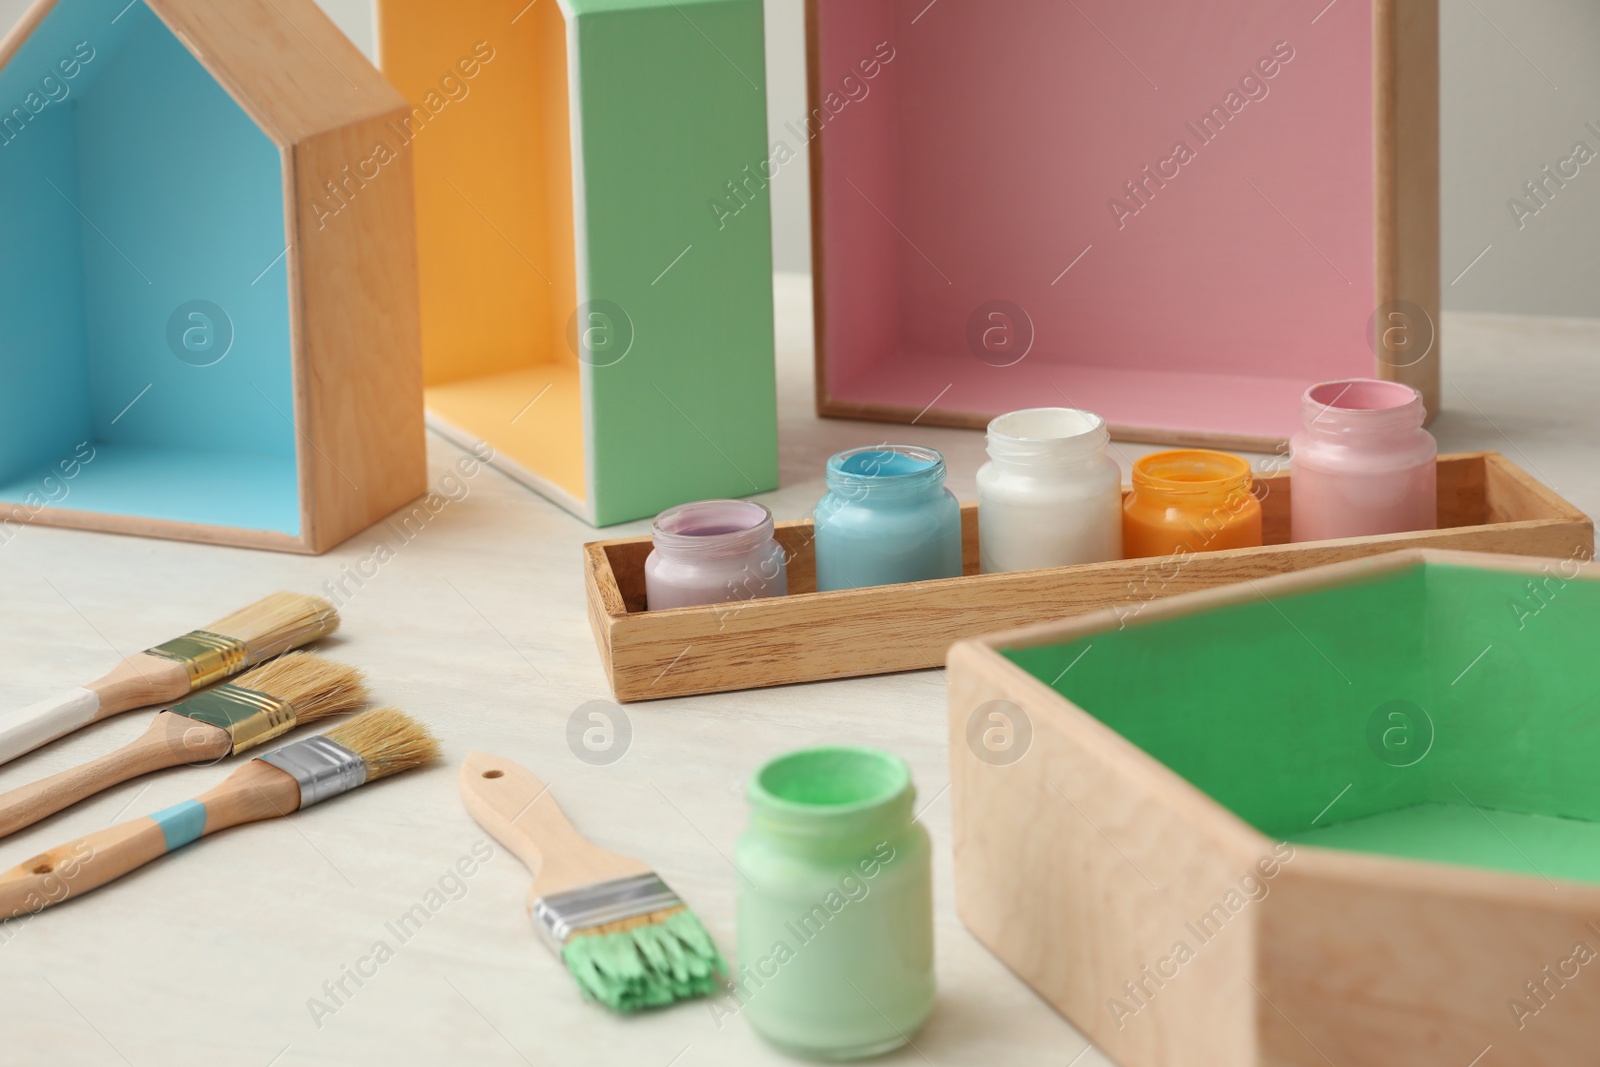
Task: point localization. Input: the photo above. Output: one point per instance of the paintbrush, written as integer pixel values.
(371, 746)
(627, 938)
(173, 670)
(225, 720)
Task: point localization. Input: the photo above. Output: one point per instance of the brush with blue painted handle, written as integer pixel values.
(370, 746)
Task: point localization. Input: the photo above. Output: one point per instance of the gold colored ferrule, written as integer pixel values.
(251, 718)
(206, 656)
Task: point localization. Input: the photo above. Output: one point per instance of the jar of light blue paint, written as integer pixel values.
(887, 519)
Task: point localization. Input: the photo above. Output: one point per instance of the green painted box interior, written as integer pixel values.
(1437, 712)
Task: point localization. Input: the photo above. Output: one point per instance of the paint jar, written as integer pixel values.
(887, 519)
(1190, 500)
(1361, 464)
(713, 552)
(1049, 495)
(835, 905)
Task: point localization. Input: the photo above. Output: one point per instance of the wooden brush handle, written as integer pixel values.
(254, 792)
(172, 740)
(518, 811)
(136, 682)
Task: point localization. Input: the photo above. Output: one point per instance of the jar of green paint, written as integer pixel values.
(835, 905)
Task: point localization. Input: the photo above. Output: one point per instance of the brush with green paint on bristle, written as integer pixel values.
(627, 938)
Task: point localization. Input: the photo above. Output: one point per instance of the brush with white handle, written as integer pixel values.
(171, 671)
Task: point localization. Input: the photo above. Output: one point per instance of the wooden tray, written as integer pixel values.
(1486, 504)
(1343, 816)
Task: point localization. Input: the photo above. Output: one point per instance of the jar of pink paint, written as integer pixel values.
(713, 552)
(1361, 464)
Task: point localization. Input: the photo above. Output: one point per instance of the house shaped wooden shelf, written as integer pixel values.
(1342, 816)
(208, 313)
(1177, 215)
(595, 242)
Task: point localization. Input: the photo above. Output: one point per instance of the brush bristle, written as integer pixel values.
(316, 687)
(388, 741)
(277, 623)
(663, 959)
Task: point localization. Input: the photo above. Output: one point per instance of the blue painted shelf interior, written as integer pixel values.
(133, 187)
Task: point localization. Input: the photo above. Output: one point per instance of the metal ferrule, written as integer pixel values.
(323, 768)
(251, 718)
(558, 916)
(206, 656)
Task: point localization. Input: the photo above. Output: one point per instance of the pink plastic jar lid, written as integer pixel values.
(1362, 394)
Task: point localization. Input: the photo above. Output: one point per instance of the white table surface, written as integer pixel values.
(478, 626)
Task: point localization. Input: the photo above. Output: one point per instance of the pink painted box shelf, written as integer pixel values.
(980, 168)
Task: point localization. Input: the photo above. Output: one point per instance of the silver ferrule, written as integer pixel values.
(323, 768)
(558, 916)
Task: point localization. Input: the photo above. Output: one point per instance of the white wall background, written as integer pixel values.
(1519, 82)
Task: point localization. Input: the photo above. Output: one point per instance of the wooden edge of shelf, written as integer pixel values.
(819, 252)
(1162, 608)
(11, 43)
(166, 529)
(1406, 168)
(1268, 586)
(1418, 875)
(300, 378)
(831, 408)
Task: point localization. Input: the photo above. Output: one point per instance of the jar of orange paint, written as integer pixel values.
(1189, 500)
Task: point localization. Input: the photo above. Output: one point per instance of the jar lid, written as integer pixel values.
(1361, 405)
(1362, 394)
(712, 528)
(885, 470)
(1192, 470)
(1047, 435)
(832, 790)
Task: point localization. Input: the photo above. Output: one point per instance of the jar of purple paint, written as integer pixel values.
(713, 552)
